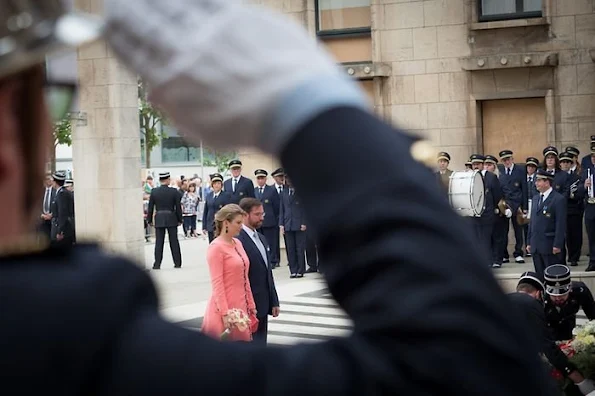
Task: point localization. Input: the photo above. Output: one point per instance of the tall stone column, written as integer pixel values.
(106, 151)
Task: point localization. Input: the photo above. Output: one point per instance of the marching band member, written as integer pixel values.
(444, 173)
(551, 164)
(531, 165)
(587, 176)
(575, 202)
(489, 219)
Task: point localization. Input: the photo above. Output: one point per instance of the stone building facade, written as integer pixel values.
(469, 75)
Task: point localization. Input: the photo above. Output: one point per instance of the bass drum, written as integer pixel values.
(466, 193)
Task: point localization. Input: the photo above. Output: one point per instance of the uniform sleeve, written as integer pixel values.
(216, 263)
(151, 207)
(205, 213)
(63, 203)
(424, 324)
(560, 222)
(586, 301)
(178, 200)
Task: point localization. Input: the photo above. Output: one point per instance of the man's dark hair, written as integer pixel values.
(526, 287)
(247, 204)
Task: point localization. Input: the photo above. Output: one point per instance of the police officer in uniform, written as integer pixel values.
(102, 330)
(215, 200)
(484, 225)
(238, 186)
(528, 300)
(62, 212)
(531, 165)
(444, 173)
(564, 298)
(270, 203)
(547, 228)
(165, 203)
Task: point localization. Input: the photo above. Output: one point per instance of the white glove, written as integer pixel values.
(586, 387)
(508, 213)
(234, 75)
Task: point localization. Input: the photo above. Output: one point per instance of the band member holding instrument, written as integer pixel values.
(489, 218)
(590, 209)
(444, 173)
(514, 187)
(551, 164)
(575, 201)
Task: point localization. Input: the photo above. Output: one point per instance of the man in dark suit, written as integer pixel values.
(424, 323)
(513, 179)
(547, 228)
(214, 201)
(270, 202)
(165, 203)
(484, 225)
(574, 211)
(62, 210)
(261, 266)
(45, 224)
(238, 186)
(528, 300)
(293, 227)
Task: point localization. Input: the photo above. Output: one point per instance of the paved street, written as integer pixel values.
(308, 313)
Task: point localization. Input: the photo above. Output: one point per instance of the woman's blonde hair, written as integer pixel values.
(228, 212)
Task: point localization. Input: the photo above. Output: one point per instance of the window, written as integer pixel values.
(175, 149)
(498, 10)
(340, 17)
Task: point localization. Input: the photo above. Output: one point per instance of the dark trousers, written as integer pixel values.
(525, 229)
(45, 228)
(295, 245)
(211, 235)
(518, 237)
(590, 226)
(260, 337)
(542, 261)
(311, 252)
(574, 236)
(499, 238)
(272, 236)
(174, 245)
(483, 232)
(189, 224)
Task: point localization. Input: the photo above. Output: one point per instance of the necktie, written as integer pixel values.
(46, 200)
(260, 247)
(280, 189)
(215, 196)
(508, 171)
(540, 200)
(235, 181)
(261, 191)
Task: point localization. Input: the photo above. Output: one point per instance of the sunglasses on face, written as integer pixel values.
(59, 98)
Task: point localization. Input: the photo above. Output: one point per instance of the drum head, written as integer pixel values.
(478, 195)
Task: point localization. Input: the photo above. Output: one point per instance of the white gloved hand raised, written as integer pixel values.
(508, 213)
(234, 75)
(587, 386)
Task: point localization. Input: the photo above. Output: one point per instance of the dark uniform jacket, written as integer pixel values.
(165, 203)
(532, 312)
(260, 274)
(212, 206)
(493, 194)
(81, 322)
(444, 179)
(291, 212)
(63, 214)
(514, 187)
(563, 321)
(547, 228)
(561, 182)
(244, 189)
(270, 202)
(576, 194)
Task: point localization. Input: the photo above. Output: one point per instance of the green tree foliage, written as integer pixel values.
(62, 135)
(218, 159)
(151, 120)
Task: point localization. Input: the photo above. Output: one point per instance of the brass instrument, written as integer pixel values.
(591, 193)
(574, 188)
(523, 218)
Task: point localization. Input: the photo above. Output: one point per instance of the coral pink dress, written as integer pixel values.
(228, 266)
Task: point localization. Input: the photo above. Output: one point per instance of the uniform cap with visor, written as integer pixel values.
(32, 30)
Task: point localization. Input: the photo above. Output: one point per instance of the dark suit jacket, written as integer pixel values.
(63, 213)
(493, 194)
(260, 275)
(270, 202)
(212, 205)
(102, 332)
(534, 316)
(165, 203)
(561, 183)
(547, 228)
(291, 212)
(244, 189)
(514, 187)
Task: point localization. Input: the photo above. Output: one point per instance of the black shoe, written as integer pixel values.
(505, 260)
(311, 270)
(177, 266)
(300, 275)
(590, 268)
(293, 276)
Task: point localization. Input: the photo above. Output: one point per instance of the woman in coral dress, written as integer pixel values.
(228, 266)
